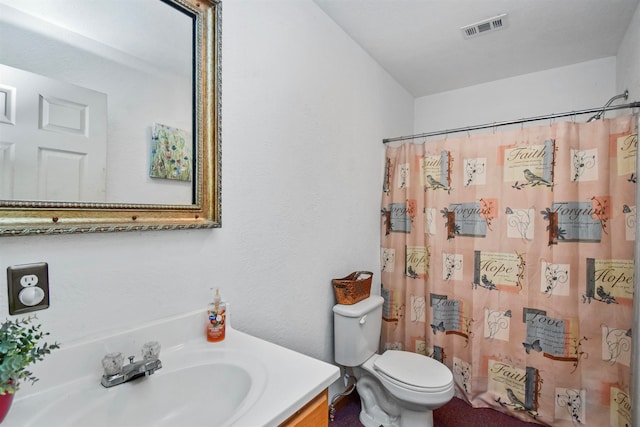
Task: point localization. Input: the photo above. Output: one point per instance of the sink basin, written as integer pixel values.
(208, 386)
(239, 382)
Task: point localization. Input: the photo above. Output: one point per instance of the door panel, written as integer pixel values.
(58, 144)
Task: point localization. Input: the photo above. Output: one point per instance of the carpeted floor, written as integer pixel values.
(456, 413)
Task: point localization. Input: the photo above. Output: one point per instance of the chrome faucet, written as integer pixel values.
(115, 373)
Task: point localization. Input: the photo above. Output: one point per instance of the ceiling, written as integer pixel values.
(419, 42)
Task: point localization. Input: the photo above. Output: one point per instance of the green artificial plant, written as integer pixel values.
(20, 346)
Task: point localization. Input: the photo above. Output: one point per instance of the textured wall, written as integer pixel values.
(575, 87)
(628, 60)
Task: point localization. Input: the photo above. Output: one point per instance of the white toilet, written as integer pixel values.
(396, 388)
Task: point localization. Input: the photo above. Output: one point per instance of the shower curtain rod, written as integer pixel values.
(513, 122)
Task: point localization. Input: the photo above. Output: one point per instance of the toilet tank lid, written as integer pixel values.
(360, 308)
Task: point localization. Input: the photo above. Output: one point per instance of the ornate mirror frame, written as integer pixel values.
(44, 218)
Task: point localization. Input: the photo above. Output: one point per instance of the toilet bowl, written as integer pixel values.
(412, 377)
(396, 388)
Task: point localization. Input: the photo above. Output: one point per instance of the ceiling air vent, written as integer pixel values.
(487, 26)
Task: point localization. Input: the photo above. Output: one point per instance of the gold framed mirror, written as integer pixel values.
(189, 201)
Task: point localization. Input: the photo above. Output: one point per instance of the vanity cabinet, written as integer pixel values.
(314, 414)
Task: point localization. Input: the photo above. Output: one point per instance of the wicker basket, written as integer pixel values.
(353, 288)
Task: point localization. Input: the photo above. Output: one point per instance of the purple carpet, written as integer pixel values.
(456, 413)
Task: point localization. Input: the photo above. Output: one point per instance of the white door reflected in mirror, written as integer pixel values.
(57, 149)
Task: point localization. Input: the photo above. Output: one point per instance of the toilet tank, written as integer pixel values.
(356, 330)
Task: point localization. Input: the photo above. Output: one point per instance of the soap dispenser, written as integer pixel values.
(216, 314)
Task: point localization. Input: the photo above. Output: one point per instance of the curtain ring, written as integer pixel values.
(573, 116)
(551, 120)
(522, 125)
(446, 134)
(468, 134)
(494, 127)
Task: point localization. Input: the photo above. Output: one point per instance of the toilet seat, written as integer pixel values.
(413, 371)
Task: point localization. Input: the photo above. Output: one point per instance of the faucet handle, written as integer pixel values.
(112, 363)
(131, 359)
(151, 350)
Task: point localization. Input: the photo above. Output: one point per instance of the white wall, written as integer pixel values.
(628, 60)
(575, 87)
(304, 113)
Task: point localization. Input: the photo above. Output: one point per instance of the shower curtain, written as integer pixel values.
(508, 256)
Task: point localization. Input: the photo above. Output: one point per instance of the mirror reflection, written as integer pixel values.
(97, 102)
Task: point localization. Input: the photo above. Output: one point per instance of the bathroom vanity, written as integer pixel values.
(241, 381)
(314, 413)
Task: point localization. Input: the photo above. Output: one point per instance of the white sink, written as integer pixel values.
(239, 382)
(193, 388)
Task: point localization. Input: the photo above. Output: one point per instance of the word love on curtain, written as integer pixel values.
(509, 256)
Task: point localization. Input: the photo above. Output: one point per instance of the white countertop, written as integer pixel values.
(292, 378)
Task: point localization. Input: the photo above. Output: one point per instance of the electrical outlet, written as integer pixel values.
(28, 287)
